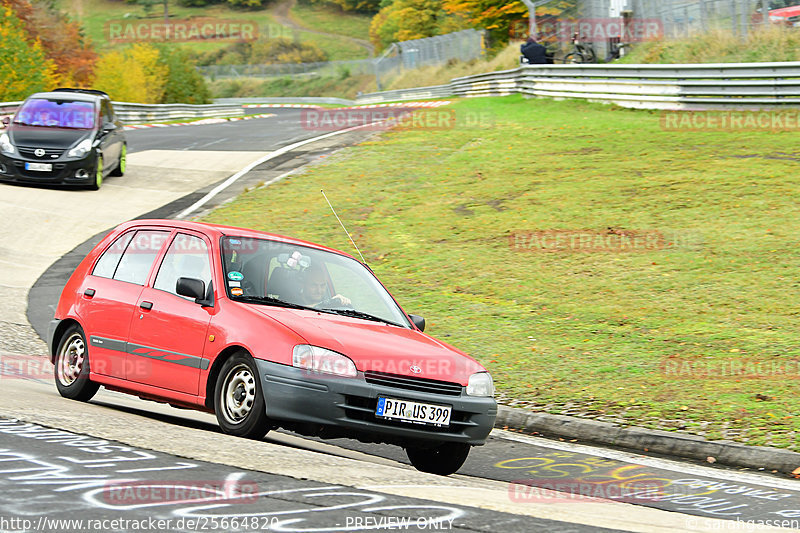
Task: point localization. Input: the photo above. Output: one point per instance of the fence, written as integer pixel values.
(673, 18)
(678, 87)
(462, 45)
(682, 17)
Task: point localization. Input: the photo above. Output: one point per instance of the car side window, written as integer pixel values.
(187, 257)
(139, 256)
(107, 264)
(108, 115)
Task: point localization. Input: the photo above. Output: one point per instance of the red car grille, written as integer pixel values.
(415, 384)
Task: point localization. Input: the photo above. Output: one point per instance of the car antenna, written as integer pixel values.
(345, 229)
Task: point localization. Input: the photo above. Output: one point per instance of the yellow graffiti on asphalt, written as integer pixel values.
(593, 470)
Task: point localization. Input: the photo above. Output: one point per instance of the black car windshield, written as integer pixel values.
(56, 113)
(272, 272)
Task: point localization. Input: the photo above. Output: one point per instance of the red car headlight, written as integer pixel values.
(323, 360)
(480, 384)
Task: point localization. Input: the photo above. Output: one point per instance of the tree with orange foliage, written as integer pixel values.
(61, 38)
(403, 20)
(503, 19)
(24, 68)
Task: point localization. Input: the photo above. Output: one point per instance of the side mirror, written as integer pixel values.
(6, 121)
(193, 288)
(109, 127)
(418, 321)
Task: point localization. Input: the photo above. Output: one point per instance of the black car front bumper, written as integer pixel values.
(12, 169)
(332, 407)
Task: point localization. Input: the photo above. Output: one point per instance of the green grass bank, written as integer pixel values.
(639, 334)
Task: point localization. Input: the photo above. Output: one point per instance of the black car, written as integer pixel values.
(64, 136)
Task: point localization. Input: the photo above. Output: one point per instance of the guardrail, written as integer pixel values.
(285, 100)
(674, 86)
(418, 93)
(130, 113)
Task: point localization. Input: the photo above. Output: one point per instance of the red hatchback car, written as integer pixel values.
(265, 331)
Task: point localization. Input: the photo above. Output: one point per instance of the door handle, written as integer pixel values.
(88, 292)
(146, 305)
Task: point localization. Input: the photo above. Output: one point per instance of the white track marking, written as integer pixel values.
(230, 181)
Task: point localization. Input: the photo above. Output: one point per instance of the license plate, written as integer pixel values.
(413, 412)
(41, 167)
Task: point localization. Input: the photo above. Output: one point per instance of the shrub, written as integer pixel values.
(184, 83)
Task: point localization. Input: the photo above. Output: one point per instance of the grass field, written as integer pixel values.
(349, 86)
(774, 43)
(94, 14)
(332, 20)
(640, 337)
(339, 87)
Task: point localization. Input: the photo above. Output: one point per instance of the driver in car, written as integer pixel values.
(315, 288)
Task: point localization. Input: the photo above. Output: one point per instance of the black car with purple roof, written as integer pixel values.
(65, 136)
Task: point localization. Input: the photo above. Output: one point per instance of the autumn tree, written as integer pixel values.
(403, 20)
(61, 39)
(24, 68)
(136, 74)
(503, 19)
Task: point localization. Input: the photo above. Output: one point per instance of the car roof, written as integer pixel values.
(217, 230)
(69, 95)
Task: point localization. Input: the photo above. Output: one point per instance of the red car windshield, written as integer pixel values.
(297, 275)
(56, 114)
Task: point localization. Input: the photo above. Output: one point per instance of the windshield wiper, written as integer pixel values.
(358, 314)
(269, 300)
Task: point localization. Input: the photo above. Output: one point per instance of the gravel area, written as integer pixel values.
(20, 339)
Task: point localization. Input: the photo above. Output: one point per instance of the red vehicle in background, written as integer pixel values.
(780, 13)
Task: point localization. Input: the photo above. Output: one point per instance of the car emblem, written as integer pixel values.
(415, 369)
(38, 152)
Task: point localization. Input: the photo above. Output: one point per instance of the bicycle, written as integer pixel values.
(582, 51)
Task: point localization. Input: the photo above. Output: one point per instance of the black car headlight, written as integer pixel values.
(6, 146)
(81, 149)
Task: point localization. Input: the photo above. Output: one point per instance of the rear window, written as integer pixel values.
(56, 114)
(131, 256)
